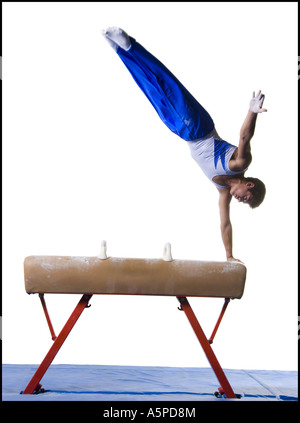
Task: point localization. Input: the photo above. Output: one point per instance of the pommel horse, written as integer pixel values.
(127, 276)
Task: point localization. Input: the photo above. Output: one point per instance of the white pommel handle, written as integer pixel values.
(167, 256)
(102, 254)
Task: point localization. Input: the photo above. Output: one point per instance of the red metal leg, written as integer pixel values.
(34, 384)
(47, 317)
(225, 385)
(226, 302)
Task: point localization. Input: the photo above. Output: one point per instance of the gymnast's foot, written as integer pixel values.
(117, 37)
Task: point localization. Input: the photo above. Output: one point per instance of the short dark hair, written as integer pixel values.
(258, 192)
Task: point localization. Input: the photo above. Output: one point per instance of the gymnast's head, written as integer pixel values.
(249, 190)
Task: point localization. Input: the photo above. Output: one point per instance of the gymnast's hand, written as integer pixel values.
(257, 102)
(234, 259)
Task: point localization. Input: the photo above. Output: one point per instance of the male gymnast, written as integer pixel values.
(223, 163)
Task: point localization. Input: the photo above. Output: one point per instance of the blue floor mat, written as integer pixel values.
(139, 383)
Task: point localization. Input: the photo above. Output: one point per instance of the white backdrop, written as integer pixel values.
(86, 158)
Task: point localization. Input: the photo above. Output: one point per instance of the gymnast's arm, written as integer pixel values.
(243, 157)
(226, 227)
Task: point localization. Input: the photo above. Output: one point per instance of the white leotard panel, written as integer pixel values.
(213, 155)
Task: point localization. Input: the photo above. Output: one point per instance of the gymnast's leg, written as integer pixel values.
(177, 108)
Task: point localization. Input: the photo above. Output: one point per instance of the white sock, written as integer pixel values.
(110, 42)
(117, 36)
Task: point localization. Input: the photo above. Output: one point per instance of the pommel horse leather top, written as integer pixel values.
(92, 275)
(132, 276)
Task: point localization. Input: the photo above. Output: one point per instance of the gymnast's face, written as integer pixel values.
(241, 192)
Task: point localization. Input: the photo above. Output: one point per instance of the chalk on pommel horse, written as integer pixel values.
(128, 276)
